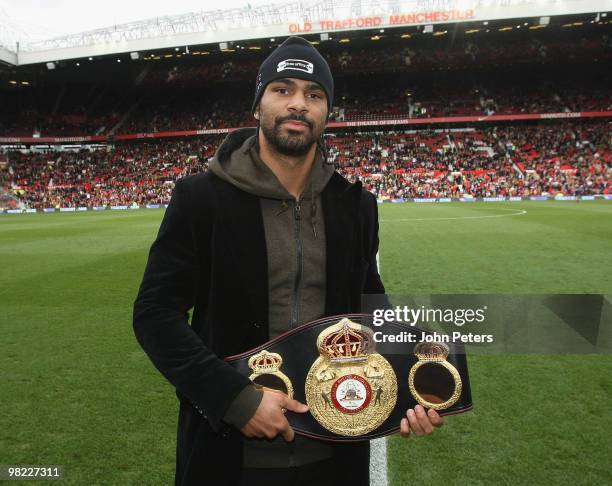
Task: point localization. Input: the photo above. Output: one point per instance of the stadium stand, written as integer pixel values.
(482, 73)
(569, 158)
(465, 72)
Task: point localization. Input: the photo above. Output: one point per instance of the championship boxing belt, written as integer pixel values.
(358, 388)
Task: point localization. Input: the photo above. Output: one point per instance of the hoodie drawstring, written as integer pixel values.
(283, 208)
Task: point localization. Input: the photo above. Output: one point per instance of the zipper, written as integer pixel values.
(295, 311)
(297, 217)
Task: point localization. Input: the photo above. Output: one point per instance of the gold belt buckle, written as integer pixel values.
(350, 389)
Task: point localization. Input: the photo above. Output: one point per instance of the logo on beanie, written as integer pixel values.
(297, 64)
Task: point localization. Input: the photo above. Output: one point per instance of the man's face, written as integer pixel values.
(292, 115)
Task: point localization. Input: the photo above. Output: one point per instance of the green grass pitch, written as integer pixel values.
(77, 390)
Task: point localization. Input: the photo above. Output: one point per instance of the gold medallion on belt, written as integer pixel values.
(350, 389)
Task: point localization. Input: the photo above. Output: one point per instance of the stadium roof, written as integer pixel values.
(278, 20)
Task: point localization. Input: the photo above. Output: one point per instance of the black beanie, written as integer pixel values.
(295, 58)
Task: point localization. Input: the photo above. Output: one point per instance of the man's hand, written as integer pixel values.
(420, 422)
(269, 419)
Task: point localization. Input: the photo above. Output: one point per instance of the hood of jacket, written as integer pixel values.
(237, 161)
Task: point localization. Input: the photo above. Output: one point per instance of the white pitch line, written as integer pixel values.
(378, 449)
(378, 462)
(516, 213)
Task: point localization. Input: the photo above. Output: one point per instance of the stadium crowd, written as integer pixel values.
(364, 102)
(124, 175)
(198, 111)
(564, 158)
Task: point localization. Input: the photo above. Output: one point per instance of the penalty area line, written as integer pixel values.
(405, 220)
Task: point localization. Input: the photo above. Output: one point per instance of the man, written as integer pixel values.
(270, 238)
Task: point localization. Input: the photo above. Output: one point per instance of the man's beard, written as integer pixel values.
(292, 144)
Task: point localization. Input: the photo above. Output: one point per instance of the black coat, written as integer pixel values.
(210, 254)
